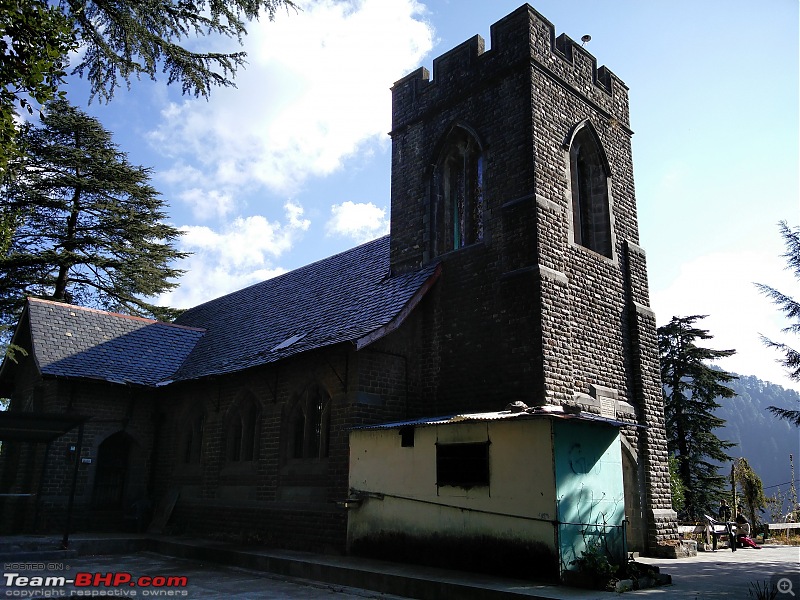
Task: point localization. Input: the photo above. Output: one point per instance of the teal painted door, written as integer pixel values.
(589, 490)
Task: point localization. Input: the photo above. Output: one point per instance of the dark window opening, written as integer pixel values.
(193, 440)
(462, 465)
(458, 193)
(309, 426)
(407, 437)
(591, 214)
(242, 432)
(250, 426)
(298, 429)
(235, 441)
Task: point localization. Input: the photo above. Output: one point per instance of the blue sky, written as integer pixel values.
(293, 165)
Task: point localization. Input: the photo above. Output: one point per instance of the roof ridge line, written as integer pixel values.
(294, 271)
(112, 314)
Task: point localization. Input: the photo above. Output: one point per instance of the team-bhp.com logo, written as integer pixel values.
(94, 584)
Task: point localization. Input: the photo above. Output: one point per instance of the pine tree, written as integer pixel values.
(791, 308)
(691, 389)
(90, 228)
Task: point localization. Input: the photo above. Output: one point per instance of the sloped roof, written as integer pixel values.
(73, 341)
(348, 297)
(341, 298)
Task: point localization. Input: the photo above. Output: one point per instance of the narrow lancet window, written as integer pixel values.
(309, 426)
(242, 432)
(591, 214)
(458, 193)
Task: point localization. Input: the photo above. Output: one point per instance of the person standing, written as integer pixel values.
(725, 515)
(724, 512)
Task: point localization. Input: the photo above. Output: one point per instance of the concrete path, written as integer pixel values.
(220, 570)
(726, 574)
(203, 581)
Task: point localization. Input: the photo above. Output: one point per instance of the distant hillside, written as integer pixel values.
(762, 438)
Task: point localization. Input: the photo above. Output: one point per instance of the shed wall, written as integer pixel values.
(403, 510)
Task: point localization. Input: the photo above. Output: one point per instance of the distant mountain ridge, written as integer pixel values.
(762, 438)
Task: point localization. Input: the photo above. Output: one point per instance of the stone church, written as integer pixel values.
(512, 273)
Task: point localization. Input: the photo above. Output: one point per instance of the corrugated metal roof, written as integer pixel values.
(554, 412)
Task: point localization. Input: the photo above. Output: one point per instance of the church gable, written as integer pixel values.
(83, 343)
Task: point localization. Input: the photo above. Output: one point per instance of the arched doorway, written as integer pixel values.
(111, 473)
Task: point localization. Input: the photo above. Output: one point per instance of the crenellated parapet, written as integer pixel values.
(523, 39)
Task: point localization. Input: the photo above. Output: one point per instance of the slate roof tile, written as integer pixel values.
(342, 298)
(338, 299)
(73, 341)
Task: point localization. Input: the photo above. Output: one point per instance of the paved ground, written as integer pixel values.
(204, 580)
(726, 574)
(709, 576)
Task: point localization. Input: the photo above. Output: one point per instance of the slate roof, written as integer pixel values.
(338, 299)
(73, 341)
(348, 297)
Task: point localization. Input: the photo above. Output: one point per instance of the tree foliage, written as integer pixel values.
(691, 389)
(676, 487)
(35, 39)
(791, 308)
(91, 228)
(119, 41)
(752, 490)
(128, 39)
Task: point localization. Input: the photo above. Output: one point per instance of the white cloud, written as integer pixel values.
(360, 222)
(206, 204)
(241, 254)
(316, 88)
(179, 173)
(721, 285)
(294, 212)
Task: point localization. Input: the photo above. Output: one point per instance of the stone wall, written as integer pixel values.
(278, 499)
(113, 409)
(526, 313)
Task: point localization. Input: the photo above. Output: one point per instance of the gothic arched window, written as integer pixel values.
(591, 212)
(192, 449)
(242, 431)
(309, 425)
(457, 217)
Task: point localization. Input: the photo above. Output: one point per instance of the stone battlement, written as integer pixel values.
(523, 39)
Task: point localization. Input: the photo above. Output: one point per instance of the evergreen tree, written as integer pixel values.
(791, 308)
(676, 487)
(751, 488)
(691, 388)
(90, 227)
(128, 39)
(119, 41)
(35, 39)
